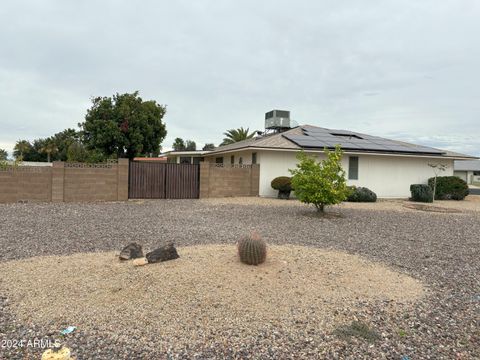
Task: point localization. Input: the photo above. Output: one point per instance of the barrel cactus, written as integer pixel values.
(252, 249)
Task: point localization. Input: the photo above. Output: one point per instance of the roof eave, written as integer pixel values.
(318, 150)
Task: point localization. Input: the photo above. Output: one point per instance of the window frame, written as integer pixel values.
(351, 170)
(184, 159)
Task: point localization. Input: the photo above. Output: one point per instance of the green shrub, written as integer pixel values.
(421, 193)
(449, 188)
(282, 183)
(361, 194)
(320, 183)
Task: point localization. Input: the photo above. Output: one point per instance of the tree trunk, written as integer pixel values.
(48, 157)
(320, 208)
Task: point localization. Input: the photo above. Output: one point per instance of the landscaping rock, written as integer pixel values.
(163, 253)
(140, 262)
(131, 251)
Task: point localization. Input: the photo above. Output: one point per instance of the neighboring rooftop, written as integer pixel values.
(467, 165)
(185, 152)
(158, 159)
(310, 137)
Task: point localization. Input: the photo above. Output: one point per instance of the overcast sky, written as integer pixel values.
(408, 70)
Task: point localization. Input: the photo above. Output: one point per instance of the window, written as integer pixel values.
(197, 160)
(476, 173)
(240, 160)
(232, 159)
(353, 168)
(185, 159)
(254, 158)
(219, 160)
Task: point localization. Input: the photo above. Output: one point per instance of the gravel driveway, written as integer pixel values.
(442, 250)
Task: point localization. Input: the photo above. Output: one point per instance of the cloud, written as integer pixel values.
(385, 67)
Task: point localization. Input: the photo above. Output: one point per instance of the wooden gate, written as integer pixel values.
(149, 180)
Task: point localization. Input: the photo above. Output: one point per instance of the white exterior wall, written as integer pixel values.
(388, 176)
(245, 155)
(468, 176)
(462, 175)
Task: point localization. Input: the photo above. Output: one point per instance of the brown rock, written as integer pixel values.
(163, 253)
(131, 251)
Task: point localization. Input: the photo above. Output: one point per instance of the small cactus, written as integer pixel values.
(252, 249)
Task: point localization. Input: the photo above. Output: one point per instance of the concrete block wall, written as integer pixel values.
(223, 180)
(64, 182)
(25, 184)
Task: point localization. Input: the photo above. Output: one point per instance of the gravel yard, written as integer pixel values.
(440, 250)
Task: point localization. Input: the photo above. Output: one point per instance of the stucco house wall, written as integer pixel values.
(468, 176)
(246, 157)
(464, 175)
(388, 176)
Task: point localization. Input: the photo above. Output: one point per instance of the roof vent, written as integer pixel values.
(278, 120)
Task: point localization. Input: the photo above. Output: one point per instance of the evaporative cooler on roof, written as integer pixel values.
(278, 120)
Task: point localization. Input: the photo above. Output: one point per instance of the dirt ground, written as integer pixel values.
(208, 288)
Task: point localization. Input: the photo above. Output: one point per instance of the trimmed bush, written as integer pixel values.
(282, 183)
(449, 188)
(421, 193)
(284, 186)
(361, 194)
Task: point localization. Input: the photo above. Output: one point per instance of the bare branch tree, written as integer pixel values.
(437, 169)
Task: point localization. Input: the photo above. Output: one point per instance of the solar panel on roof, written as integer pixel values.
(321, 138)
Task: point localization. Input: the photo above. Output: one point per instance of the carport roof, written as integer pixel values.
(467, 165)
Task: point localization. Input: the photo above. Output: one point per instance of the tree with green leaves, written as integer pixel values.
(179, 144)
(63, 140)
(236, 135)
(190, 145)
(184, 145)
(320, 183)
(77, 152)
(21, 149)
(49, 148)
(208, 147)
(124, 125)
(3, 155)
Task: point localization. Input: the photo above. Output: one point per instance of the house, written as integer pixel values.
(468, 170)
(185, 156)
(388, 167)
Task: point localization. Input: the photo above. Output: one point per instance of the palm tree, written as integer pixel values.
(49, 148)
(21, 148)
(235, 135)
(3, 155)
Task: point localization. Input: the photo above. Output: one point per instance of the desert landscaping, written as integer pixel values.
(374, 280)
